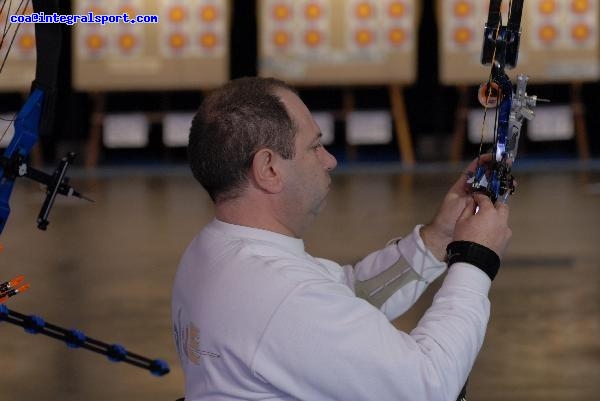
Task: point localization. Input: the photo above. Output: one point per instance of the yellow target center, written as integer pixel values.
(364, 10)
(462, 9)
(208, 40)
(313, 11)
(580, 32)
(548, 33)
(364, 37)
(95, 42)
(208, 14)
(27, 42)
(281, 12)
(127, 41)
(281, 38)
(313, 38)
(177, 40)
(580, 6)
(462, 35)
(547, 6)
(177, 14)
(397, 36)
(397, 9)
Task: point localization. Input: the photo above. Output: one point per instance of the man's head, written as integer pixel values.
(232, 124)
(257, 150)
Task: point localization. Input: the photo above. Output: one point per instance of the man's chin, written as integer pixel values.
(321, 207)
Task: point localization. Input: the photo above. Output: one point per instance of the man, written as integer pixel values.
(257, 318)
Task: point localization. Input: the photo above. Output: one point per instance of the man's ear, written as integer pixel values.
(266, 170)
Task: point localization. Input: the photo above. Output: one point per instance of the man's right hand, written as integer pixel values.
(487, 227)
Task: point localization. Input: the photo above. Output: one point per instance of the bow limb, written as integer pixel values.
(37, 114)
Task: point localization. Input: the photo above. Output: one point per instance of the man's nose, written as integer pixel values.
(329, 161)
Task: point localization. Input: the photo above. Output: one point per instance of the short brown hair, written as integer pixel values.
(231, 125)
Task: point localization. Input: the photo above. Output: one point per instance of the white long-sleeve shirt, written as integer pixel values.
(257, 318)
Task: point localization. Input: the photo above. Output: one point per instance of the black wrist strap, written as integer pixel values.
(477, 255)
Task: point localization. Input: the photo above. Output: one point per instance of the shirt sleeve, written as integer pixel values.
(393, 279)
(324, 343)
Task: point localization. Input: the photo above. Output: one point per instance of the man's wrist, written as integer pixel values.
(475, 254)
(434, 241)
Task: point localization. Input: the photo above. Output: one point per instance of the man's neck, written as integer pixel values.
(246, 212)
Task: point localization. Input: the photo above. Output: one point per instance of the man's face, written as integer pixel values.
(308, 179)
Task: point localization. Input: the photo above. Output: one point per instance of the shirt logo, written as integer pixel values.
(187, 340)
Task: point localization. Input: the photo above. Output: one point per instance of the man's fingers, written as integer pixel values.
(502, 208)
(483, 159)
(482, 200)
(469, 209)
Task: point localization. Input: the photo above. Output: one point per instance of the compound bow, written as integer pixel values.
(501, 50)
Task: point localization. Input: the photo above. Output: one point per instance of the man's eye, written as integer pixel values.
(318, 146)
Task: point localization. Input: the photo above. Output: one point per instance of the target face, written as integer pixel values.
(190, 35)
(177, 14)
(313, 11)
(397, 9)
(334, 36)
(559, 39)
(282, 12)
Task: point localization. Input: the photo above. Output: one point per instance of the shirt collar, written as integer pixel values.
(286, 242)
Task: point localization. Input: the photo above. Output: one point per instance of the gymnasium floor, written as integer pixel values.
(106, 268)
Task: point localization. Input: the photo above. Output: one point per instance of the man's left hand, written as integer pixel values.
(439, 232)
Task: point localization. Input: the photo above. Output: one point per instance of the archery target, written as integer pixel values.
(19, 68)
(97, 42)
(193, 29)
(564, 25)
(23, 46)
(363, 36)
(314, 27)
(281, 26)
(464, 24)
(398, 26)
(296, 36)
(92, 39)
(129, 39)
(187, 47)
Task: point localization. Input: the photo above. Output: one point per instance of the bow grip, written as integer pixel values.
(26, 135)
